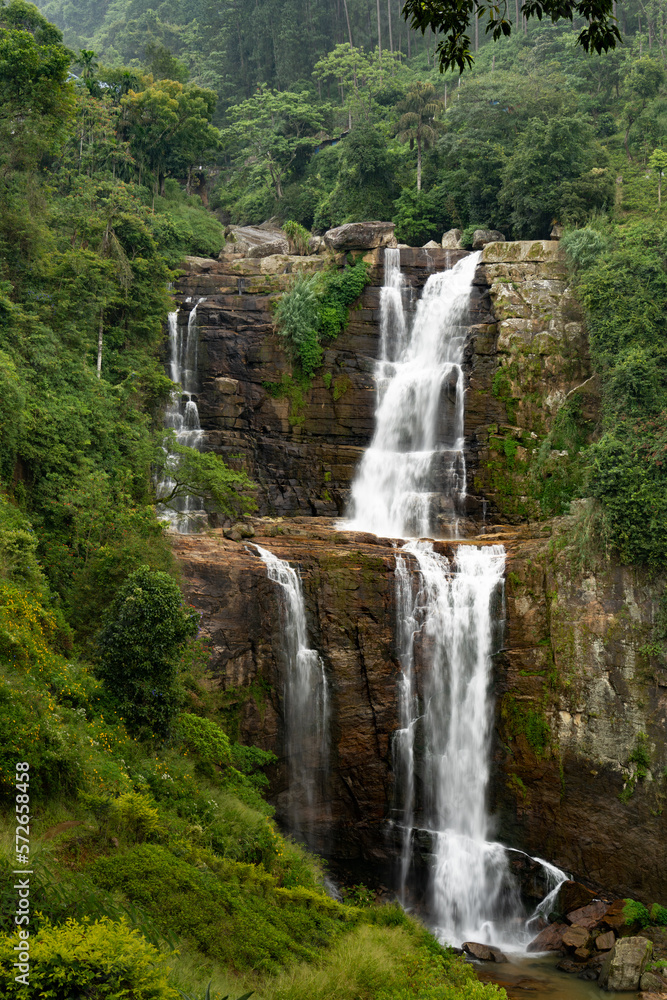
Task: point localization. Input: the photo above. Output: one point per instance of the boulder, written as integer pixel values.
(625, 964)
(316, 245)
(431, 245)
(278, 245)
(615, 917)
(483, 236)
(451, 240)
(549, 939)
(360, 236)
(572, 896)
(255, 241)
(652, 983)
(577, 938)
(483, 952)
(556, 232)
(588, 916)
(605, 941)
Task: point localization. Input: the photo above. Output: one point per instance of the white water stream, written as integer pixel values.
(306, 706)
(412, 478)
(186, 513)
(411, 482)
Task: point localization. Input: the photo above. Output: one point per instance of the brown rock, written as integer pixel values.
(360, 236)
(576, 937)
(484, 952)
(615, 918)
(588, 916)
(573, 896)
(549, 939)
(481, 237)
(582, 953)
(652, 983)
(605, 941)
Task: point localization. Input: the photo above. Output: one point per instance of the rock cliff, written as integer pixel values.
(580, 757)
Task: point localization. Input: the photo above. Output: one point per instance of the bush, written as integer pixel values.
(204, 739)
(134, 812)
(147, 625)
(315, 308)
(234, 912)
(658, 915)
(103, 959)
(636, 913)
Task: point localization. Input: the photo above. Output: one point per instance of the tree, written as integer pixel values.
(452, 18)
(36, 102)
(168, 126)
(417, 122)
(147, 625)
(185, 472)
(548, 158)
(658, 162)
(275, 128)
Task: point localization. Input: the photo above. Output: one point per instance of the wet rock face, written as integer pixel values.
(578, 680)
(300, 446)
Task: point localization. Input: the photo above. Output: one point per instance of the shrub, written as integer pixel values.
(103, 959)
(584, 246)
(147, 625)
(204, 739)
(135, 813)
(234, 912)
(636, 913)
(298, 237)
(658, 915)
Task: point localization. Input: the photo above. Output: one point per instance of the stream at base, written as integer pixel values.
(527, 976)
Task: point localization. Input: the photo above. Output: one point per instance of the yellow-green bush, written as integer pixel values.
(234, 913)
(101, 960)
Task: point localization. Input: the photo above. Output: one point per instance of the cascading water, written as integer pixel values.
(306, 706)
(185, 513)
(412, 478)
(411, 482)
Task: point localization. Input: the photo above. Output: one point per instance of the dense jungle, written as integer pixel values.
(189, 321)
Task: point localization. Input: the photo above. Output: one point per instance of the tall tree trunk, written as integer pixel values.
(349, 29)
(379, 39)
(517, 21)
(100, 341)
(419, 162)
(659, 188)
(476, 33)
(391, 34)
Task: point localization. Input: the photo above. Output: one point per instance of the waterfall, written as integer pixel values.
(306, 705)
(412, 479)
(182, 416)
(452, 634)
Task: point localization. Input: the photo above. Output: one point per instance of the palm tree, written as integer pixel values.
(417, 122)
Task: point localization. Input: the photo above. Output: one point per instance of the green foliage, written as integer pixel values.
(317, 308)
(529, 723)
(147, 624)
(297, 319)
(658, 915)
(584, 246)
(641, 756)
(203, 739)
(103, 958)
(621, 289)
(297, 235)
(134, 812)
(234, 912)
(636, 913)
(183, 471)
